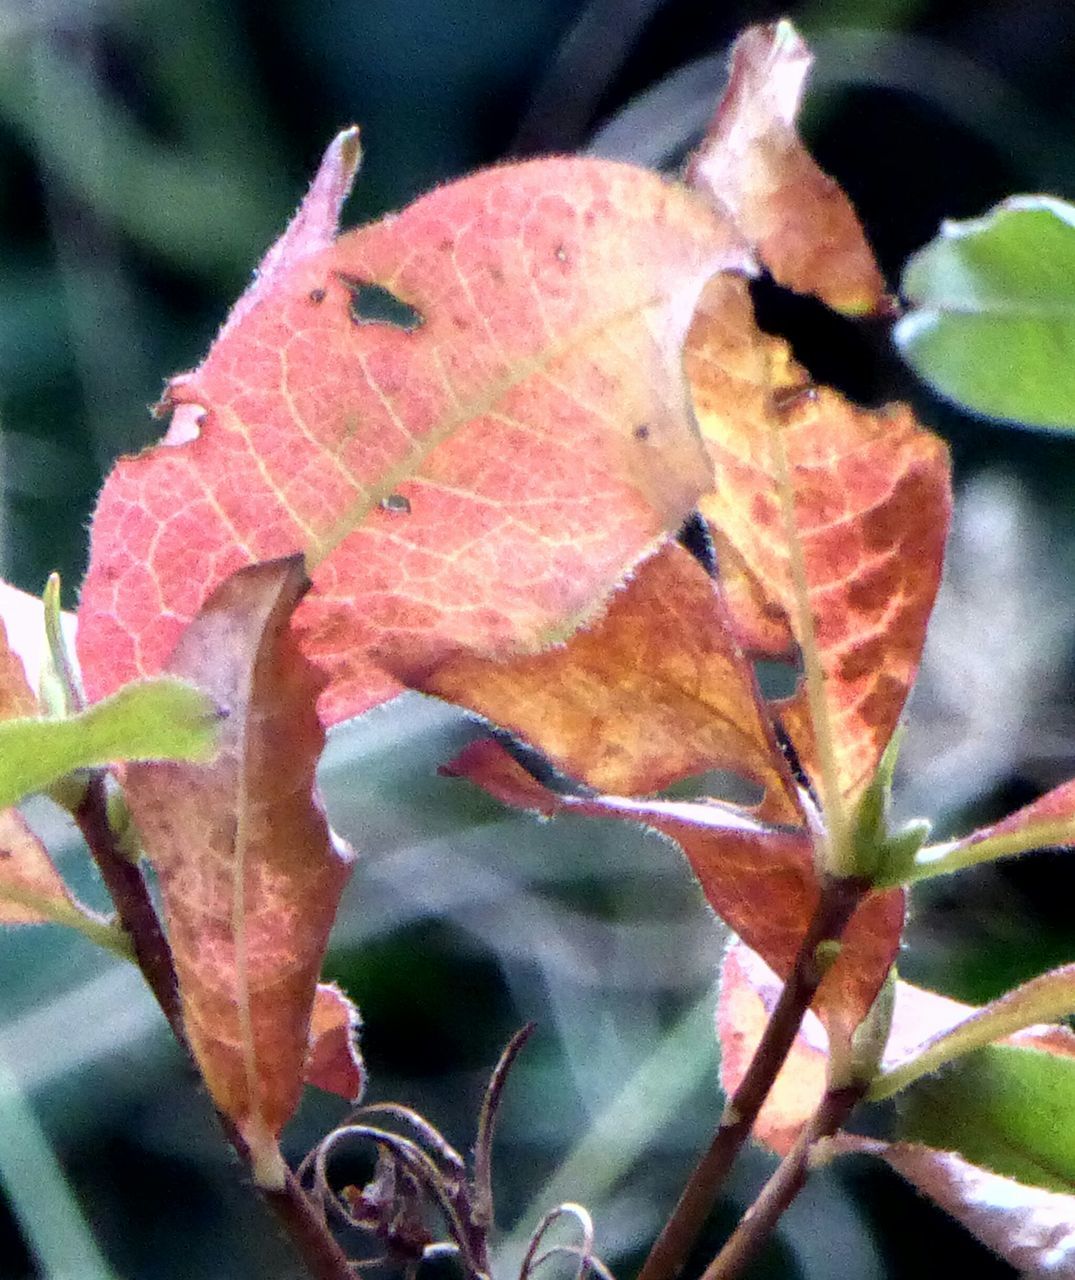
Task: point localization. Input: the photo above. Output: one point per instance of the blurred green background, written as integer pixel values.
(149, 152)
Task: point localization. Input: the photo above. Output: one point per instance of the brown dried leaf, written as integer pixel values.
(753, 165)
(655, 691)
(249, 872)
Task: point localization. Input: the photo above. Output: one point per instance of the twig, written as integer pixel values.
(134, 906)
(309, 1234)
(839, 898)
(758, 1222)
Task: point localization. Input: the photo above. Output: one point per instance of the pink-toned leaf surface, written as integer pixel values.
(921, 1019)
(759, 879)
(481, 477)
(29, 882)
(749, 990)
(753, 164)
(1029, 1227)
(249, 871)
(858, 501)
(16, 696)
(333, 1060)
(654, 691)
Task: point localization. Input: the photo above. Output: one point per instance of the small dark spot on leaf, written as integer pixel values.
(316, 296)
(396, 504)
(642, 432)
(560, 253)
(496, 274)
(374, 304)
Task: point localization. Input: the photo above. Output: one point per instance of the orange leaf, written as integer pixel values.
(822, 504)
(753, 164)
(653, 692)
(29, 883)
(333, 1061)
(249, 872)
(471, 417)
(759, 879)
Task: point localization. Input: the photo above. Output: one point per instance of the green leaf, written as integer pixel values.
(163, 719)
(1045, 999)
(992, 324)
(1007, 1109)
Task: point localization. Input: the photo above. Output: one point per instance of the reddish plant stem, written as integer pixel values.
(137, 914)
(760, 1219)
(309, 1233)
(839, 898)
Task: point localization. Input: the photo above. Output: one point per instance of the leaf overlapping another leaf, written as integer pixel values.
(249, 871)
(481, 479)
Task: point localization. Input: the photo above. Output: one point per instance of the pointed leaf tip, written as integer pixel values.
(753, 164)
(250, 874)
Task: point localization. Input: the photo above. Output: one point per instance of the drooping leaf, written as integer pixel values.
(333, 1060)
(158, 719)
(471, 418)
(753, 164)
(31, 889)
(830, 522)
(1031, 1228)
(654, 691)
(249, 871)
(759, 878)
(1006, 1108)
(992, 319)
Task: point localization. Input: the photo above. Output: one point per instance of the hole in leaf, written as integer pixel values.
(374, 304)
(396, 504)
(777, 679)
(716, 784)
(694, 535)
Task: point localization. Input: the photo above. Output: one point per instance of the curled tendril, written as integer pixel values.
(587, 1261)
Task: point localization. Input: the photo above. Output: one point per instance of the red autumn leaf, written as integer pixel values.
(333, 1062)
(249, 871)
(655, 691)
(753, 165)
(830, 523)
(758, 878)
(478, 470)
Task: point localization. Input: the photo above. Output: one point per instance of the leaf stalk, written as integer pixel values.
(837, 904)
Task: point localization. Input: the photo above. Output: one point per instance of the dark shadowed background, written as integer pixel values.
(149, 152)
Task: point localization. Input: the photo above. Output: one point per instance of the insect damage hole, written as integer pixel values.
(374, 304)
